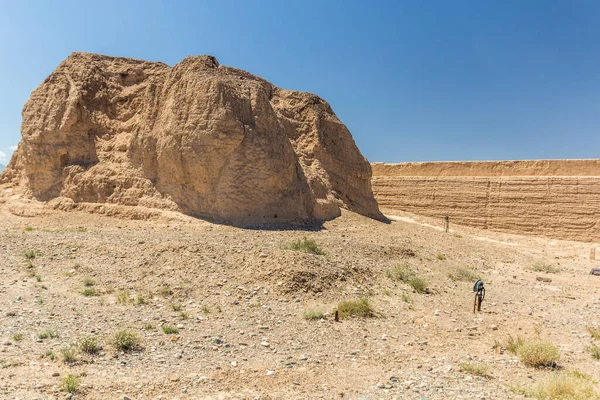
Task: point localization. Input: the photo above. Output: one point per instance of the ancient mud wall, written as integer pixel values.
(552, 198)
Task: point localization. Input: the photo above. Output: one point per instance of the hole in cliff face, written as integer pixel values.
(64, 160)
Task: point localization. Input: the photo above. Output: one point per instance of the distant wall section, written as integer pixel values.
(552, 198)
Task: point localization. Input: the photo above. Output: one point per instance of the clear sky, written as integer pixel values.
(412, 80)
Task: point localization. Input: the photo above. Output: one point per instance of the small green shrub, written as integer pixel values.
(536, 353)
(70, 383)
(169, 330)
(306, 245)
(139, 300)
(88, 292)
(547, 268)
(176, 307)
(125, 340)
(38, 278)
(17, 337)
(28, 229)
(205, 310)
(405, 273)
(89, 345)
(148, 326)
(123, 298)
(69, 354)
(49, 354)
(478, 369)
(312, 315)
(594, 351)
(401, 273)
(184, 315)
(48, 333)
(31, 254)
(418, 284)
(361, 308)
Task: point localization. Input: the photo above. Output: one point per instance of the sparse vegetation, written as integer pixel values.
(477, 369)
(404, 273)
(595, 332)
(312, 315)
(594, 351)
(139, 300)
(306, 245)
(28, 229)
(464, 275)
(418, 284)
(148, 326)
(441, 256)
(401, 273)
(123, 298)
(49, 354)
(166, 291)
(169, 330)
(184, 315)
(547, 268)
(565, 386)
(17, 337)
(537, 353)
(87, 292)
(88, 282)
(513, 344)
(31, 254)
(69, 354)
(360, 308)
(205, 310)
(70, 383)
(48, 333)
(406, 298)
(176, 307)
(387, 292)
(89, 345)
(125, 340)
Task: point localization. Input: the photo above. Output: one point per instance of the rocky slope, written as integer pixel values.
(199, 138)
(552, 198)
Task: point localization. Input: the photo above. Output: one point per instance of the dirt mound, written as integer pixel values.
(199, 138)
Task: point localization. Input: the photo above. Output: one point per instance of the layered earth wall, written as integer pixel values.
(552, 198)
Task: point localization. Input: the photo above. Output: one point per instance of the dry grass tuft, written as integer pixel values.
(537, 353)
(404, 273)
(126, 340)
(313, 315)
(547, 268)
(565, 386)
(360, 308)
(306, 245)
(477, 369)
(595, 332)
(70, 383)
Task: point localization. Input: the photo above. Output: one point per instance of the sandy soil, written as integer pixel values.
(238, 297)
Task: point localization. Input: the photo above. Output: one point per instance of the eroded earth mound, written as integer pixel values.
(199, 138)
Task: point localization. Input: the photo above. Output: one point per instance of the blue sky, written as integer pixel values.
(412, 80)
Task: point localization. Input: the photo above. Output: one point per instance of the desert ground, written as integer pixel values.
(233, 304)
